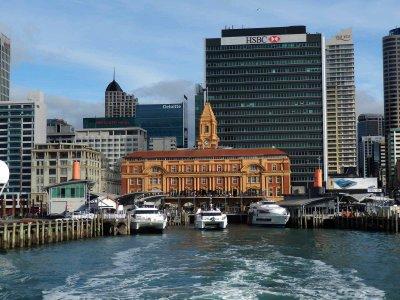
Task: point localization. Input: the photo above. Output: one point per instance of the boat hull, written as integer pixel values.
(202, 224)
(148, 226)
(269, 221)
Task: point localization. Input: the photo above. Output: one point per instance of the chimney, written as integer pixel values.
(76, 170)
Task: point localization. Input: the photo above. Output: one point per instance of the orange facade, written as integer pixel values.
(226, 171)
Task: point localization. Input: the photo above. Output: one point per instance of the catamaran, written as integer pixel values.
(148, 217)
(211, 218)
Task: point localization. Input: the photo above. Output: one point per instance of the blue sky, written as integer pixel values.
(68, 49)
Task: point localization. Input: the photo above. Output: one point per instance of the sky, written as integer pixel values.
(68, 49)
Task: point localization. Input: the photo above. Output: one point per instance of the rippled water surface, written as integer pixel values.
(238, 263)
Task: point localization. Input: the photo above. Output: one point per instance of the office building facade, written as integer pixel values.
(341, 103)
(5, 61)
(391, 88)
(52, 164)
(113, 142)
(164, 120)
(393, 158)
(391, 79)
(368, 125)
(22, 125)
(59, 131)
(373, 158)
(267, 89)
(118, 103)
(162, 143)
(199, 100)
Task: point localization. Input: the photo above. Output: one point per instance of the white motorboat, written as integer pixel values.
(212, 218)
(148, 217)
(267, 213)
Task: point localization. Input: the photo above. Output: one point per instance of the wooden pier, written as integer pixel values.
(25, 233)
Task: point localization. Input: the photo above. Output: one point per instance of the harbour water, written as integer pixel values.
(239, 263)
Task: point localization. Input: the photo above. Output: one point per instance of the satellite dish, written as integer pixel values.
(4, 172)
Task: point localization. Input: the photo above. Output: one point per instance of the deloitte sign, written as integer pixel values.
(172, 106)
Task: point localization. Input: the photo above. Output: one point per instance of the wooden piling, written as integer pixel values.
(5, 236)
(29, 234)
(21, 235)
(13, 236)
(37, 233)
(43, 230)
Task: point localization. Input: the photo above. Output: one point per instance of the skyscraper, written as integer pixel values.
(22, 125)
(118, 103)
(391, 79)
(5, 57)
(391, 86)
(369, 125)
(341, 104)
(267, 89)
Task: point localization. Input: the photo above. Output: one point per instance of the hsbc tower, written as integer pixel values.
(267, 89)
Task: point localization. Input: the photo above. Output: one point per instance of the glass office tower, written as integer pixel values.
(267, 89)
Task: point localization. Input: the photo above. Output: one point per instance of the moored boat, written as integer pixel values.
(210, 219)
(267, 213)
(148, 218)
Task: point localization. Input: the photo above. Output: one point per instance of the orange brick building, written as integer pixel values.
(208, 168)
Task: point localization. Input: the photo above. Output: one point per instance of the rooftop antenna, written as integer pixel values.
(114, 74)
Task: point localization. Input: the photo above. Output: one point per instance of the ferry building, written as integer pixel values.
(208, 168)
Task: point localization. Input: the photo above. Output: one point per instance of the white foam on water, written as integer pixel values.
(250, 272)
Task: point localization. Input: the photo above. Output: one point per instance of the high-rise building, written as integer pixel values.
(341, 103)
(369, 125)
(22, 125)
(5, 59)
(164, 120)
(393, 157)
(391, 87)
(373, 158)
(118, 103)
(59, 131)
(198, 107)
(391, 79)
(112, 141)
(267, 89)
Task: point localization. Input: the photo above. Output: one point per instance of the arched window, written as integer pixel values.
(219, 168)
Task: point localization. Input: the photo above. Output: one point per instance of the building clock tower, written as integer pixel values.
(208, 137)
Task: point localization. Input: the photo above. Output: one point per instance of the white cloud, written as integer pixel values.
(366, 103)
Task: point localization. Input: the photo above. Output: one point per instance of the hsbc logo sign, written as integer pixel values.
(263, 39)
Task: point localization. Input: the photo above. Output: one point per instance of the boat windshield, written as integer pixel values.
(148, 212)
(211, 213)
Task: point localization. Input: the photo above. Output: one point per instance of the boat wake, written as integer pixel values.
(236, 272)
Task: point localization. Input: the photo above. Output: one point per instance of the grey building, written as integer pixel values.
(59, 131)
(22, 125)
(341, 103)
(113, 142)
(267, 89)
(118, 103)
(5, 60)
(162, 143)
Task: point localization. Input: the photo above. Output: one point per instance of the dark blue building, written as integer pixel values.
(164, 120)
